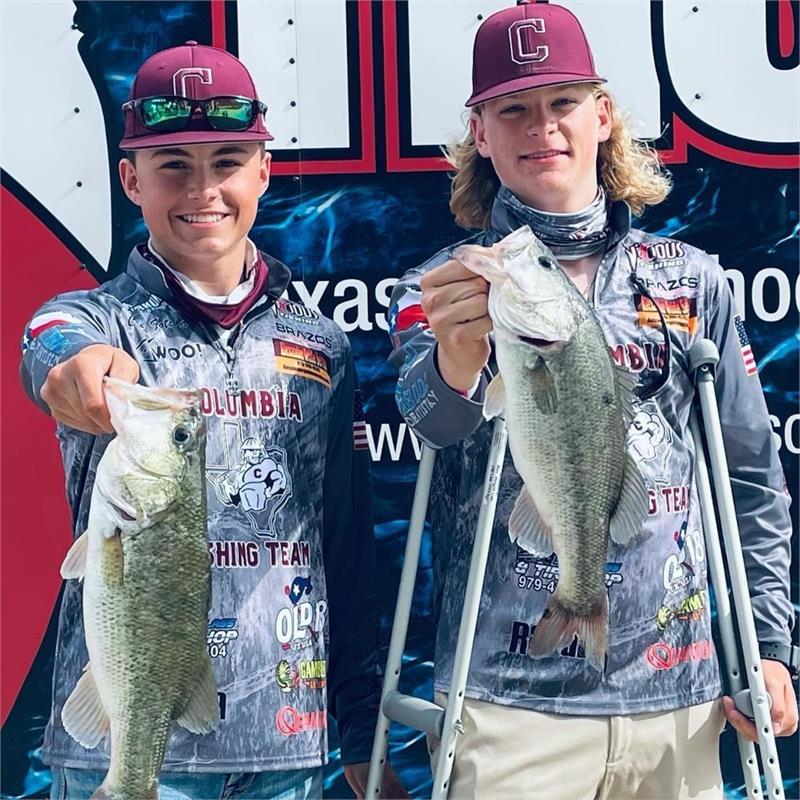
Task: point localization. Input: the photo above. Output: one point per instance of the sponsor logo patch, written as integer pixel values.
(302, 361)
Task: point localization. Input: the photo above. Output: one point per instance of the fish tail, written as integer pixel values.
(559, 626)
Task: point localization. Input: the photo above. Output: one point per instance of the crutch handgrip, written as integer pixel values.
(744, 703)
(703, 353)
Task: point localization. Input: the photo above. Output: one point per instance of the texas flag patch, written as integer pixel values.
(407, 312)
(42, 323)
(744, 345)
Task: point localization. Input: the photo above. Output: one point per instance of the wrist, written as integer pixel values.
(455, 376)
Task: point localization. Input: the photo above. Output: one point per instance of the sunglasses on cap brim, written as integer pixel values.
(168, 113)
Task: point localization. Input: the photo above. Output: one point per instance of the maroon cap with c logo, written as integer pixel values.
(530, 45)
(198, 72)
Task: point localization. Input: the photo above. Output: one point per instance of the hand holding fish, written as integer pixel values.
(455, 301)
(73, 390)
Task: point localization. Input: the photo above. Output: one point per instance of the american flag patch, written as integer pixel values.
(359, 423)
(744, 343)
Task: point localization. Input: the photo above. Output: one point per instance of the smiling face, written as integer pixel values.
(543, 144)
(198, 201)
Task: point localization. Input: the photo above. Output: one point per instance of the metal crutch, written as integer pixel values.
(703, 357)
(445, 724)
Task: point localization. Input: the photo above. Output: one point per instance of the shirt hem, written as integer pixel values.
(582, 707)
(276, 764)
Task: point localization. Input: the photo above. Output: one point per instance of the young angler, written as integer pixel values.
(293, 608)
(547, 147)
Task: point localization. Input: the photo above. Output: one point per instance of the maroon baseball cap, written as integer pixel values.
(527, 46)
(196, 72)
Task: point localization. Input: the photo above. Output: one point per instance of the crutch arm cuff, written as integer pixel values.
(788, 655)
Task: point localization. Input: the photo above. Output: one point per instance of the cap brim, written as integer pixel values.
(192, 137)
(530, 82)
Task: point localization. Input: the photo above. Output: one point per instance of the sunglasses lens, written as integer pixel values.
(229, 113)
(165, 113)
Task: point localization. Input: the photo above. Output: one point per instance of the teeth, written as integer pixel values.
(203, 217)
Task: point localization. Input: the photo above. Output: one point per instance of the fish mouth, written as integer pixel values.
(537, 342)
(121, 512)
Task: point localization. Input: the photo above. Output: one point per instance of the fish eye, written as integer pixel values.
(181, 435)
(546, 262)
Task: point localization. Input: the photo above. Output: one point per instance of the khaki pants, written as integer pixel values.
(511, 753)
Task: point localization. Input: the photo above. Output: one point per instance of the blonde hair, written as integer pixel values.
(627, 170)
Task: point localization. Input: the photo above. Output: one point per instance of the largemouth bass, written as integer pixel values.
(567, 408)
(146, 585)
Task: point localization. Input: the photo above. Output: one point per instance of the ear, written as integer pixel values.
(130, 180)
(605, 117)
(264, 172)
(478, 131)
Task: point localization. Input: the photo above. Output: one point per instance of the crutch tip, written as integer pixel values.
(703, 353)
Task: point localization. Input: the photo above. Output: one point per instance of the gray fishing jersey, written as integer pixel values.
(292, 626)
(660, 654)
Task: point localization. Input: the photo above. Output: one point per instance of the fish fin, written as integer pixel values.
(494, 402)
(201, 713)
(544, 388)
(631, 512)
(559, 626)
(526, 527)
(74, 565)
(627, 383)
(84, 716)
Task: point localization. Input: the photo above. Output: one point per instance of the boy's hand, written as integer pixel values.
(358, 774)
(784, 703)
(456, 303)
(74, 389)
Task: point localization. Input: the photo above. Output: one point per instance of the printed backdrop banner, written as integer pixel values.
(361, 95)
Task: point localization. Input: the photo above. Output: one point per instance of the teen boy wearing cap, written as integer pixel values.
(548, 148)
(290, 528)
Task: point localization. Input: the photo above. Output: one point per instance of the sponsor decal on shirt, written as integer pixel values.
(690, 609)
(661, 655)
(679, 313)
(302, 361)
(312, 337)
(537, 573)
(295, 311)
(300, 626)
(291, 722)
(312, 674)
(221, 632)
(657, 255)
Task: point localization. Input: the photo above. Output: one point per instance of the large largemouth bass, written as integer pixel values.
(567, 408)
(146, 583)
